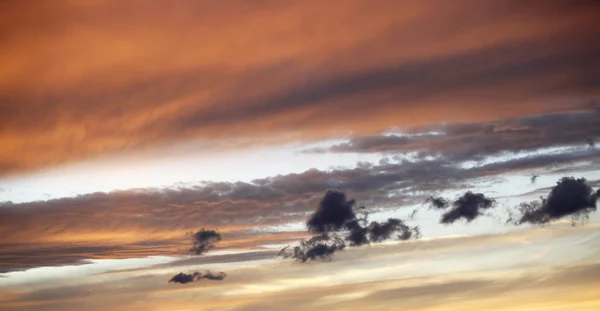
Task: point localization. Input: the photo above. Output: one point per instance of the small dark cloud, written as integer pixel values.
(570, 197)
(382, 231)
(319, 247)
(184, 278)
(204, 240)
(590, 142)
(437, 202)
(468, 206)
(534, 177)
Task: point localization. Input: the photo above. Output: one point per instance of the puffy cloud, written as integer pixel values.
(338, 226)
(570, 197)
(467, 206)
(333, 213)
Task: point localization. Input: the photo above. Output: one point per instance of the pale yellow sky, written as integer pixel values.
(552, 268)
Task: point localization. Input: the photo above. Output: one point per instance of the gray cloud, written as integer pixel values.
(472, 141)
(153, 221)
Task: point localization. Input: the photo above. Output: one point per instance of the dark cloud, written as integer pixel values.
(570, 197)
(358, 234)
(382, 231)
(467, 206)
(334, 213)
(318, 247)
(184, 278)
(534, 177)
(203, 240)
(339, 226)
(437, 202)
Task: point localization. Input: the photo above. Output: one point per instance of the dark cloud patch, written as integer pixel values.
(570, 197)
(347, 228)
(534, 177)
(184, 278)
(358, 234)
(203, 240)
(334, 213)
(467, 206)
(318, 247)
(437, 202)
(382, 231)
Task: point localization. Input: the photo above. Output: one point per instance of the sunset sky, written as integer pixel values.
(125, 124)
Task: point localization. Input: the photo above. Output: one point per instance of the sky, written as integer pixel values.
(126, 124)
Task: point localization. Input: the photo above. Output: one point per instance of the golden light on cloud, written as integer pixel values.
(80, 81)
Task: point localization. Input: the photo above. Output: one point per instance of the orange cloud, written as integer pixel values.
(83, 80)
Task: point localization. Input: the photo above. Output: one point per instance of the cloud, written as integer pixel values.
(475, 141)
(382, 231)
(338, 226)
(142, 222)
(204, 240)
(467, 206)
(437, 202)
(185, 278)
(333, 213)
(570, 197)
(370, 67)
(318, 247)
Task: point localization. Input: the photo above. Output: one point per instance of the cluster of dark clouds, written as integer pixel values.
(337, 223)
(203, 241)
(570, 197)
(184, 278)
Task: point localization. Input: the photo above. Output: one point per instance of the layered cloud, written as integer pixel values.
(477, 140)
(146, 222)
(454, 273)
(84, 80)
